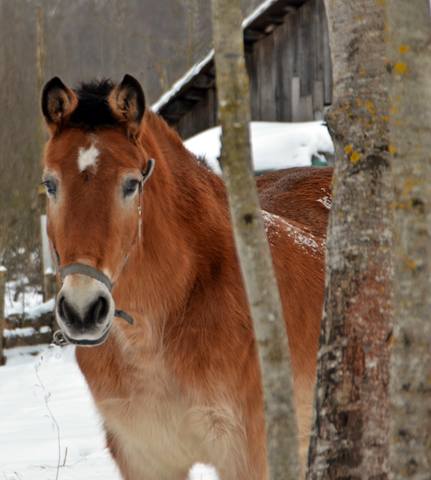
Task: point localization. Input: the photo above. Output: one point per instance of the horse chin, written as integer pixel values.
(90, 341)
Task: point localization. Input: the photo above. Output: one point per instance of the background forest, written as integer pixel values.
(80, 40)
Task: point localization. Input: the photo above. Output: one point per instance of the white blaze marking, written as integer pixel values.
(87, 157)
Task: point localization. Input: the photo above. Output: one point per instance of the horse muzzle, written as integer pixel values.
(85, 309)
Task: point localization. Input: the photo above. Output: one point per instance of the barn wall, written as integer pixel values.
(290, 74)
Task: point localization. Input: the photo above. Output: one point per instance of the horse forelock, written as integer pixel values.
(93, 110)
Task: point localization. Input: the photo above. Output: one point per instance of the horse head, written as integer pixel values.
(94, 170)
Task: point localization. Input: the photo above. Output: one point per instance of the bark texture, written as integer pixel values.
(349, 439)
(252, 247)
(409, 55)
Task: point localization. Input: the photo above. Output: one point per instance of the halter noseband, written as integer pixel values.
(82, 269)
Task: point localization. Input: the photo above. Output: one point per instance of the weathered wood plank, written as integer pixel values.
(318, 100)
(295, 95)
(327, 63)
(266, 68)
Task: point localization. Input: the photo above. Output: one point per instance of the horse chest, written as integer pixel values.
(164, 430)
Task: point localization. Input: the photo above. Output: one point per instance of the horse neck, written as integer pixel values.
(186, 228)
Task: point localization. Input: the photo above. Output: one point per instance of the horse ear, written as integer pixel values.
(127, 103)
(58, 103)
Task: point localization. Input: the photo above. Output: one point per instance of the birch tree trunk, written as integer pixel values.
(349, 439)
(252, 247)
(409, 54)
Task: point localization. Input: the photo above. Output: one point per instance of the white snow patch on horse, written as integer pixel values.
(200, 471)
(326, 200)
(273, 224)
(88, 157)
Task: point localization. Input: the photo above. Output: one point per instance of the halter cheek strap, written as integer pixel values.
(146, 174)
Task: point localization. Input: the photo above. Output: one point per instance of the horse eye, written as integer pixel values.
(50, 187)
(130, 186)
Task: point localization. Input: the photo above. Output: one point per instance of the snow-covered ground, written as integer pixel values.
(37, 393)
(275, 145)
(49, 425)
(20, 297)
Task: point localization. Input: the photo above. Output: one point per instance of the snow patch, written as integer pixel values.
(179, 84)
(262, 8)
(22, 299)
(28, 438)
(19, 332)
(200, 471)
(326, 200)
(42, 309)
(275, 145)
(273, 224)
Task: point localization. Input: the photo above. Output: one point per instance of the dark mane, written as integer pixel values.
(93, 110)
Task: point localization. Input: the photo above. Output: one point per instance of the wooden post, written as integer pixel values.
(3, 272)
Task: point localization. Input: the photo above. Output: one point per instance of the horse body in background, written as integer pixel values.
(181, 385)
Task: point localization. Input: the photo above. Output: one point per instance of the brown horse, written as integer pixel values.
(181, 385)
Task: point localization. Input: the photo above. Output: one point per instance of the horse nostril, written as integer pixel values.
(67, 313)
(98, 310)
(61, 309)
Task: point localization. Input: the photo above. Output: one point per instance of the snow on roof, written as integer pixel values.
(275, 145)
(262, 8)
(179, 84)
(198, 67)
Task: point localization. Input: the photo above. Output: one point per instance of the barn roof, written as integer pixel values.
(192, 86)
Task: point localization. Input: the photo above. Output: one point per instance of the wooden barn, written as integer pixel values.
(289, 65)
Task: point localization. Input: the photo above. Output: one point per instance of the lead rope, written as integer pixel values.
(59, 337)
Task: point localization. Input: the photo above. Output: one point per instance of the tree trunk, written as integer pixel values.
(349, 438)
(2, 311)
(252, 247)
(409, 54)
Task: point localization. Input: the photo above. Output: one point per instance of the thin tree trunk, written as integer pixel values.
(350, 433)
(409, 54)
(2, 311)
(252, 247)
